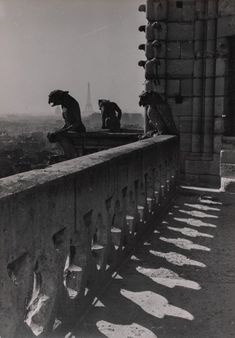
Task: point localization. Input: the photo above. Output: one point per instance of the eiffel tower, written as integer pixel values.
(89, 108)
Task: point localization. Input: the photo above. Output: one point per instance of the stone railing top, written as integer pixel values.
(15, 184)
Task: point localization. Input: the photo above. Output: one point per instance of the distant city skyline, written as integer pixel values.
(57, 44)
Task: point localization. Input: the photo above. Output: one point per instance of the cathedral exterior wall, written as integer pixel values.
(193, 76)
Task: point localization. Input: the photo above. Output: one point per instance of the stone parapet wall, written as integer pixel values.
(65, 229)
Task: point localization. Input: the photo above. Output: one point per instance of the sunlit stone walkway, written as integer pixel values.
(180, 282)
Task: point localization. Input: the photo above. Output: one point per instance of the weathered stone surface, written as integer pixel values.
(162, 67)
(211, 32)
(173, 87)
(56, 243)
(185, 124)
(160, 88)
(187, 50)
(210, 67)
(181, 14)
(198, 68)
(199, 29)
(187, 87)
(161, 51)
(226, 26)
(197, 109)
(226, 7)
(228, 184)
(180, 67)
(161, 34)
(196, 140)
(227, 170)
(219, 106)
(217, 143)
(220, 67)
(218, 125)
(203, 180)
(156, 10)
(201, 66)
(227, 156)
(220, 86)
(188, 12)
(229, 142)
(223, 47)
(174, 13)
(209, 86)
(182, 109)
(173, 50)
(212, 9)
(200, 9)
(180, 31)
(197, 87)
(202, 167)
(185, 142)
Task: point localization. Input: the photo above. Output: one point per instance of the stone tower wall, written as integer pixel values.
(187, 52)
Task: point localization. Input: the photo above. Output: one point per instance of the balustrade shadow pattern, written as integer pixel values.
(156, 292)
(66, 228)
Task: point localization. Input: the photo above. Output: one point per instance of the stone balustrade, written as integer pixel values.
(65, 230)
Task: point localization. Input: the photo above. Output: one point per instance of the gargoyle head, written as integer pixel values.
(56, 97)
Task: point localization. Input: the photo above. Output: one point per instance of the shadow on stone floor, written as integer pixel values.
(165, 286)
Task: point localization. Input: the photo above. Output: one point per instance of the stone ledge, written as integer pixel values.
(228, 185)
(31, 179)
(227, 170)
(227, 156)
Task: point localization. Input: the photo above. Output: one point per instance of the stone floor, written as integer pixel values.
(180, 283)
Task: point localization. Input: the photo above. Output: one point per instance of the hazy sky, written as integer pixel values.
(63, 44)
